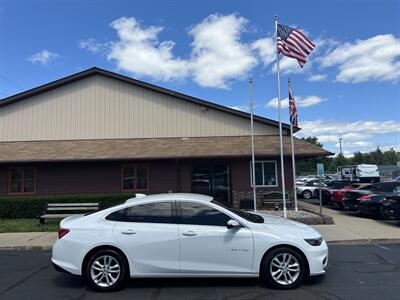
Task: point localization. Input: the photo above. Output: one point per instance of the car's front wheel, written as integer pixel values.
(284, 268)
(106, 270)
(307, 194)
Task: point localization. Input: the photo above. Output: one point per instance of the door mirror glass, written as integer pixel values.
(233, 224)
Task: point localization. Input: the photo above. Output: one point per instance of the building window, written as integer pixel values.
(22, 180)
(134, 178)
(266, 175)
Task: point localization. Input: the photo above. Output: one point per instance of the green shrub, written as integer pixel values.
(33, 205)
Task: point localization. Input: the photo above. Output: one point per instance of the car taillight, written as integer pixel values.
(364, 198)
(62, 232)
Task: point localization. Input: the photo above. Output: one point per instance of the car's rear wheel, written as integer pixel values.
(307, 194)
(106, 270)
(284, 268)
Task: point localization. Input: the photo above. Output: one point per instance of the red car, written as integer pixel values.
(338, 195)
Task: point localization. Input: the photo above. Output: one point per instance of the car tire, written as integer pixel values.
(107, 270)
(384, 215)
(284, 268)
(306, 194)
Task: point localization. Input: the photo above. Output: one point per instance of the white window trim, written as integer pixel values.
(276, 173)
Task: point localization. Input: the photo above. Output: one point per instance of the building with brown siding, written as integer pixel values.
(97, 131)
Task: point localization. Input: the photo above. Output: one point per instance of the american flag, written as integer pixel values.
(292, 109)
(293, 43)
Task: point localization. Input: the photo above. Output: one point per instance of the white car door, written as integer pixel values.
(208, 246)
(149, 234)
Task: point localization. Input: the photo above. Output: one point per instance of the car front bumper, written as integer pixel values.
(318, 259)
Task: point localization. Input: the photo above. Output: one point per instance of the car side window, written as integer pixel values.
(145, 213)
(199, 214)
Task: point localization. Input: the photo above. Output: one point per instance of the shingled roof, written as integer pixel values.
(152, 148)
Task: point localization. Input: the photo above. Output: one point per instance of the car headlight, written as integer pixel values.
(314, 242)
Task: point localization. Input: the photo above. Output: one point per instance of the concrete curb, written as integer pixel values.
(25, 248)
(364, 242)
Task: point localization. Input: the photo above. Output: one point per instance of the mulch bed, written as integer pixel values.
(302, 216)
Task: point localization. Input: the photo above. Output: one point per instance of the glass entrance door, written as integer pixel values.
(213, 180)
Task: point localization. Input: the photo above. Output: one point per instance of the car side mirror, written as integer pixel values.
(233, 224)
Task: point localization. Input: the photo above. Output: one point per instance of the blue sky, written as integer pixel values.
(209, 49)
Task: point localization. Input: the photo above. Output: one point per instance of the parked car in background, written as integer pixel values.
(309, 189)
(371, 203)
(338, 196)
(186, 235)
(331, 186)
(390, 208)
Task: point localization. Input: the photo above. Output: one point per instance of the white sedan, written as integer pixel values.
(186, 235)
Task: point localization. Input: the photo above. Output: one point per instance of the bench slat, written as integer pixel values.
(71, 208)
(55, 216)
(72, 204)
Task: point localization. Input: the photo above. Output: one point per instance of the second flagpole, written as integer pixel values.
(293, 155)
(280, 121)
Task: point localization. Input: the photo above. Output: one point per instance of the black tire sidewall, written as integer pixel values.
(266, 268)
(122, 280)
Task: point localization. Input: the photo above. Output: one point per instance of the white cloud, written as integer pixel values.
(240, 107)
(139, 51)
(358, 144)
(300, 102)
(395, 147)
(265, 49)
(43, 57)
(317, 77)
(290, 66)
(366, 60)
(334, 127)
(353, 134)
(347, 137)
(218, 55)
(92, 45)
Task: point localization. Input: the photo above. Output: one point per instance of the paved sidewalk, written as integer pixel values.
(27, 240)
(350, 227)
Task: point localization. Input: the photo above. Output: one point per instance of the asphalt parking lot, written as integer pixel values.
(356, 272)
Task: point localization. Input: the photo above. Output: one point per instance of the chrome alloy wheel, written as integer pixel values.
(105, 271)
(284, 268)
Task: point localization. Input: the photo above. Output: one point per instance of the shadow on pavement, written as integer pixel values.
(76, 282)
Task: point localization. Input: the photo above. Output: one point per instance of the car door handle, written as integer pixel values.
(189, 233)
(128, 231)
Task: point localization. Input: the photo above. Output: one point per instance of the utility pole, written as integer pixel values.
(340, 145)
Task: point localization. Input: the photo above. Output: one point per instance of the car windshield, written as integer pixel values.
(244, 214)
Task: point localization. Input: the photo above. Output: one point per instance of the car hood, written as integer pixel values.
(275, 223)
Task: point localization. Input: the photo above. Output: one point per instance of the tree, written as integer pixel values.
(390, 157)
(377, 156)
(313, 140)
(358, 158)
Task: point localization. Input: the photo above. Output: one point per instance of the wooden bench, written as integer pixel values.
(63, 210)
(273, 200)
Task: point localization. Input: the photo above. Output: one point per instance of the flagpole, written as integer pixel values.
(293, 156)
(280, 120)
(253, 169)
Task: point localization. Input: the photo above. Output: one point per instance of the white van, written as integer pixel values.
(358, 173)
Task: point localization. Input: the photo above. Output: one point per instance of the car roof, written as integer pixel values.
(170, 197)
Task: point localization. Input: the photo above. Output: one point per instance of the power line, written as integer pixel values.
(12, 82)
